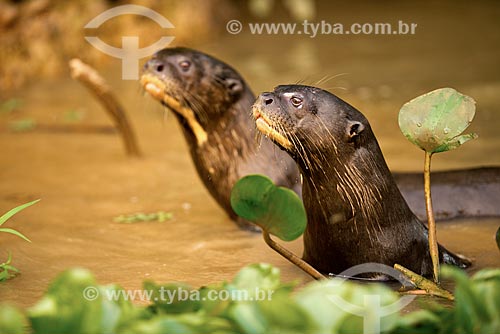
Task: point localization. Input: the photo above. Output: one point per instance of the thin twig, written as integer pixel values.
(102, 91)
(292, 257)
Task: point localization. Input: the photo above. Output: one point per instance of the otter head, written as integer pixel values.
(198, 88)
(345, 174)
(312, 125)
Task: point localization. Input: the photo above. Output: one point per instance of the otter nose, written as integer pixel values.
(267, 98)
(155, 65)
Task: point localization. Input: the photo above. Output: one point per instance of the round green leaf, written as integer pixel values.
(249, 197)
(434, 121)
(277, 210)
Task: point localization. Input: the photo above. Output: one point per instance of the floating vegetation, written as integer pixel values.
(10, 105)
(6, 269)
(23, 125)
(160, 217)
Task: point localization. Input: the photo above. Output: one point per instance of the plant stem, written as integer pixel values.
(433, 246)
(292, 257)
(423, 283)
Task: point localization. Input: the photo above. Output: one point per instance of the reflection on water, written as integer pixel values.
(84, 180)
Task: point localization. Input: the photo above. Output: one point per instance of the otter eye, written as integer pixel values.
(296, 101)
(185, 65)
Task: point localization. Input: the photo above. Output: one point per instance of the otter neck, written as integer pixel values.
(348, 187)
(234, 124)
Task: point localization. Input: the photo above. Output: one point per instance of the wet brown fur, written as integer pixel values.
(220, 100)
(356, 213)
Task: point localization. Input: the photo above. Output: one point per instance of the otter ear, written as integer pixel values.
(234, 86)
(354, 128)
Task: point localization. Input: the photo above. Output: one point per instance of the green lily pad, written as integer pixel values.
(435, 121)
(277, 210)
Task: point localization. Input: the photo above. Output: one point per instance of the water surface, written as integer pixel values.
(84, 180)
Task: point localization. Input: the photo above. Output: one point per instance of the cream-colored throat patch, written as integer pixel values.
(263, 124)
(156, 88)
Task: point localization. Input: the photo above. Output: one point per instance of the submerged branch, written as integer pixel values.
(102, 91)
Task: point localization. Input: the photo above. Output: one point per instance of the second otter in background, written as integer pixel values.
(212, 103)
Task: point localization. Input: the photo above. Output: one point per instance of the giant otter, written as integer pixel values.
(355, 211)
(212, 104)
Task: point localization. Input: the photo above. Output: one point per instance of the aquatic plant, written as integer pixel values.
(435, 122)
(75, 303)
(10, 105)
(6, 268)
(23, 125)
(276, 210)
(280, 212)
(160, 217)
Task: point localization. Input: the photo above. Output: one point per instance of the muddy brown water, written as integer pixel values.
(85, 179)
